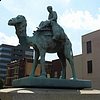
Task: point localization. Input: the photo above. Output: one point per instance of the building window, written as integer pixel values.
(89, 47)
(89, 66)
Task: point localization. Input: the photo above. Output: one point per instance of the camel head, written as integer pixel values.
(20, 24)
(20, 19)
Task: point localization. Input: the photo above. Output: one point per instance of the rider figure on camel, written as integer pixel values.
(58, 32)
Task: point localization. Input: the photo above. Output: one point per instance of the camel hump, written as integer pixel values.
(44, 31)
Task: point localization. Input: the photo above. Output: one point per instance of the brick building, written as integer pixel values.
(17, 69)
(23, 67)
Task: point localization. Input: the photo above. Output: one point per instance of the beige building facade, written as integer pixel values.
(87, 64)
(91, 57)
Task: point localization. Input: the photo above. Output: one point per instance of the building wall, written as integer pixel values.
(18, 52)
(93, 56)
(90, 53)
(16, 69)
(28, 68)
(77, 65)
(5, 58)
(56, 68)
(10, 53)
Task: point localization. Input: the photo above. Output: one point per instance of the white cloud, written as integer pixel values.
(80, 20)
(10, 40)
(33, 11)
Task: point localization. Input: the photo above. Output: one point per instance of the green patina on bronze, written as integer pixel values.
(49, 37)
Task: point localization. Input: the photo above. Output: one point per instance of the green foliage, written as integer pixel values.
(1, 83)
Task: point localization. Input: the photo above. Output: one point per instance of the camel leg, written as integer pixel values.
(71, 62)
(42, 63)
(35, 63)
(63, 62)
(69, 55)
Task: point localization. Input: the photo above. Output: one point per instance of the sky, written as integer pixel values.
(77, 17)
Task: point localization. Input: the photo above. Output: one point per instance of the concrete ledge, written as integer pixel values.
(48, 94)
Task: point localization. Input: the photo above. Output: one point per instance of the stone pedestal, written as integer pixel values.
(48, 94)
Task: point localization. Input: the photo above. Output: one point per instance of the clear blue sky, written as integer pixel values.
(77, 17)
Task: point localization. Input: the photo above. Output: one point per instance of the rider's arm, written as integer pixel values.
(54, 18)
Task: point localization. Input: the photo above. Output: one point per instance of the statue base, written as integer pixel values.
(40, 82)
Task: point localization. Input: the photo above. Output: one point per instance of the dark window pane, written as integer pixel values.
(89, 47)
(89, 66)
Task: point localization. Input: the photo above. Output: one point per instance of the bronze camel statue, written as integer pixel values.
(42, 42)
